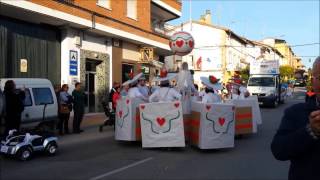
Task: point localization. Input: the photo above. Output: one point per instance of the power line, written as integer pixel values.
(296, 45)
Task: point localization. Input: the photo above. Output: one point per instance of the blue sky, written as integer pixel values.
(295, 21)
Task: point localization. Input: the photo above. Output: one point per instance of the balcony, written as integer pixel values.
(161, 28)
(67, 1)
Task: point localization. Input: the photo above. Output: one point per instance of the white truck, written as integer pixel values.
(264, 82)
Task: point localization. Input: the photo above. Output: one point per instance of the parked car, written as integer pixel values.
(39, 93)
(299, 83)
(23, 146)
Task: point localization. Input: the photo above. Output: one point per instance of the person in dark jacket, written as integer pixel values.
(79, 98)
(14, 106)
(298, 137)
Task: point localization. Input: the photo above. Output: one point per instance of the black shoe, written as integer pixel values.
(81, 131)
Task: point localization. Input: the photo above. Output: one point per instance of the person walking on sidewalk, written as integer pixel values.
(78, 107)
(65, 107)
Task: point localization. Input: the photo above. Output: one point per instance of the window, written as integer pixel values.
(132, 9)
(262, 81)
(27, 100)
(104, 3)
(42, 96)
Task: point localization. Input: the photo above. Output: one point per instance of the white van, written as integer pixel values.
(39, 92)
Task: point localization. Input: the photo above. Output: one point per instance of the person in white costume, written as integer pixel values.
(212, 87)
(134, 90)
(239, 91)
(144, 90)
(165, 93)
(186, 87)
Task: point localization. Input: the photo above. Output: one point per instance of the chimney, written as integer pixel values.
(207, 17)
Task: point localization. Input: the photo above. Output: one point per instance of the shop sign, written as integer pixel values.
(23, 65)
(73, 68)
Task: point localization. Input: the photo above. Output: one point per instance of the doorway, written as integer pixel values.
(126, 70)
(90, 84)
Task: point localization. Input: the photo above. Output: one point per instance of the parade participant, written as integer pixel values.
(14, 106)
(134, 90)
(125, 88)
(115, 97)
(186, 87)
(165, 93)
(143, 88)
(113, 90)
(238, 90)
(79, 98)
(298, 137)
(212, 86)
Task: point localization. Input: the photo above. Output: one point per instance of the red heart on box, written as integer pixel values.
(180, 43)
(177, 105)
(120, 114)
(208, 107)
(222, 121)
(142, 106)
(161, 121)
(128, 101)
(191, 44)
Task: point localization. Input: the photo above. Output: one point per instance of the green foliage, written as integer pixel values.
(244, 73)
(286, 72)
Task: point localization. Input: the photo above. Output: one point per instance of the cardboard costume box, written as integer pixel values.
(243, 120)
(162, 125)
(212, 125)
(128, 120)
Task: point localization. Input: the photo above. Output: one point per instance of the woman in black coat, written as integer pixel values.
(14, 106)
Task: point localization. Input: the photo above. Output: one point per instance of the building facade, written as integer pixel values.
(95, 42)
(218, 51)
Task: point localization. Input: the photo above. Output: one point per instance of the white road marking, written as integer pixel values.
(121, 169)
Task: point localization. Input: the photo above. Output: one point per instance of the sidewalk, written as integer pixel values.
(90, 120)
(90, 124)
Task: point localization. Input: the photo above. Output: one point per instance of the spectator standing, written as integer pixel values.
(298, 137)
(14, 106)
(65, 107)
(1, 107)
(78, 107)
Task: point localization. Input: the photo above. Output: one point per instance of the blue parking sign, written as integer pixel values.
(73, 61)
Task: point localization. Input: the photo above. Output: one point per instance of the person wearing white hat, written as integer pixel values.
(238, 90)
(144, 90)
(134, 90)
(165, 93)
(212, 86)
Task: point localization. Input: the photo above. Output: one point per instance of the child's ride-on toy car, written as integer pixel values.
(24, 145)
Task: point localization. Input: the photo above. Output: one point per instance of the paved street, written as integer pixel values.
(94, 155)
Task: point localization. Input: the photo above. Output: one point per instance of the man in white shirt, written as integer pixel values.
(210, 92)
(165, 93)
(144, 90)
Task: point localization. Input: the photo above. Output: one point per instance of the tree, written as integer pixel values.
(286, 72)
(244, 73)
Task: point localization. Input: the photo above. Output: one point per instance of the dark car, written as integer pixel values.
(299, 83)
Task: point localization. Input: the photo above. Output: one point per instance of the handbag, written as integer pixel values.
(64, 109)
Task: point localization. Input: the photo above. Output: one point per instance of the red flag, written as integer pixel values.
(199, 62)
